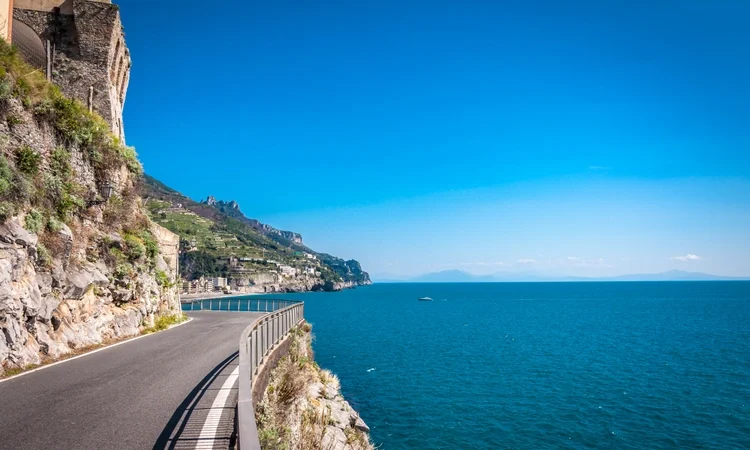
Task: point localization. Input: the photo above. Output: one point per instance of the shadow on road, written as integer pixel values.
(184, 427)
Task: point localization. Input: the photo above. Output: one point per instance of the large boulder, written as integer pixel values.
(81, 279)
(12, 231)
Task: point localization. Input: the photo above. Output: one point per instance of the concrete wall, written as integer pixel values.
(169, 248)
(6, 18)
(260, 381)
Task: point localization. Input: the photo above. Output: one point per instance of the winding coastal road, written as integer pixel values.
(166, 390)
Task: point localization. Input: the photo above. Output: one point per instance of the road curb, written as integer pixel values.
(46, 366)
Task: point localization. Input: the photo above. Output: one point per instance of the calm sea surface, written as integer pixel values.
(542, 365)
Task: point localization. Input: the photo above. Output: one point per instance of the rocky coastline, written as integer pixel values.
(302, 407)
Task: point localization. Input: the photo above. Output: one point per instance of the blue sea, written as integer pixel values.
(653, 365)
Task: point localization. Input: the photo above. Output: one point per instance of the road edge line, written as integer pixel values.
(106, 347)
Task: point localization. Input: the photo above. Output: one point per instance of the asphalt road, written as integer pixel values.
(154, 392)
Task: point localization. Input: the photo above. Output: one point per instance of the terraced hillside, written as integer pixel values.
(217, 239)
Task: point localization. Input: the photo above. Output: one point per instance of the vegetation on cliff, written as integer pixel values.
(302, 407)
(79, 263)
(213, 231)
(46, 185)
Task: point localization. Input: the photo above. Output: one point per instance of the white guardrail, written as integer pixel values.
(256, 342)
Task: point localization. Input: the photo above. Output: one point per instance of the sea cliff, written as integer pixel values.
(303, 408)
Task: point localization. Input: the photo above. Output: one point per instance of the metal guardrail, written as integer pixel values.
(256, 342)
(252, 304)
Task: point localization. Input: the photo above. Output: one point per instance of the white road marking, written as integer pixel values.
(211, 425)
(107, 347)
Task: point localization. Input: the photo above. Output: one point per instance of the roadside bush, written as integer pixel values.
(164, 322)
(123, 270)
(291, 386)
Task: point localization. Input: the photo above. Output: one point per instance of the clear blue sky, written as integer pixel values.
(590, 138)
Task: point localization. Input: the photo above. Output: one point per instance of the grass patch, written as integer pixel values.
(274, 439)
(164, 322)
(163, 279)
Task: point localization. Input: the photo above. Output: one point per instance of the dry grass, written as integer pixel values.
(164, 322)
(329, 378)
(313, 429)
(287, 418)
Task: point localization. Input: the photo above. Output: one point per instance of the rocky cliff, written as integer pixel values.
(303, 408)
(80, 261)
(232, 209)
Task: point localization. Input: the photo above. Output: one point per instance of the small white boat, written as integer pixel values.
(425, 299)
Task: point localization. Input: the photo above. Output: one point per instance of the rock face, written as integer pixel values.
(232, 209)
(46, 313)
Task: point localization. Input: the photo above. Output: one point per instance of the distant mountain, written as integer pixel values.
(459, 276)
(232, 209)
(447, 276)
(672, 275)
(217, 239)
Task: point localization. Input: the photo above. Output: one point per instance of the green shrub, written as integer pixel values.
(117, 256)
(27, 160)
(6, 211)
(60, 187)
(6, 88)
(43, 256)
(23, 188)
(134, 247)
(53, 186)
(123, 270)
(6, 175)
(130, 158)
(162, 279)
(68, 204)
(152, 247)
(54, 225)
(59, 163)
(34, 221)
